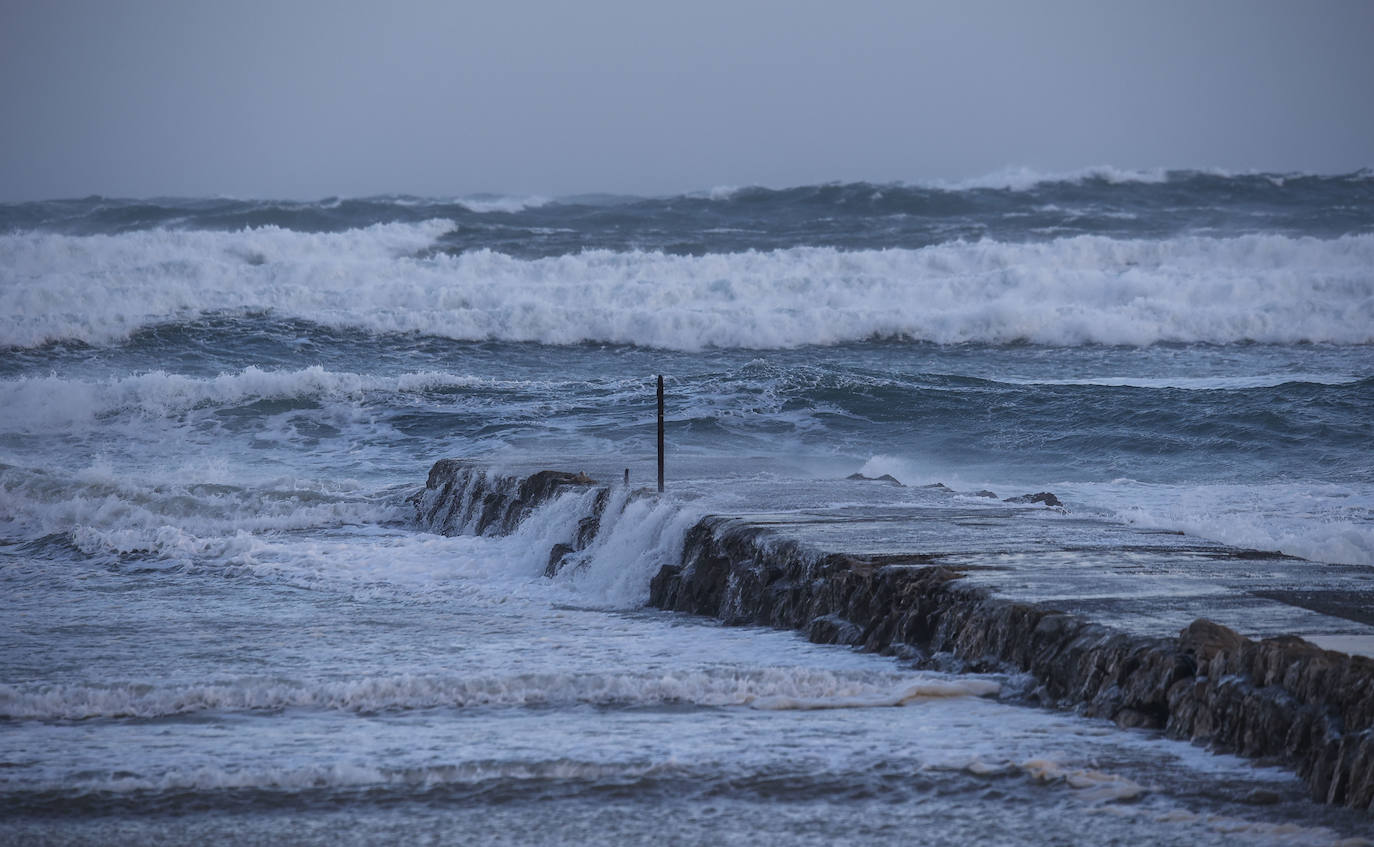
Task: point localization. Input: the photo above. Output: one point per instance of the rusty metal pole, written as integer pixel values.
(660, 433)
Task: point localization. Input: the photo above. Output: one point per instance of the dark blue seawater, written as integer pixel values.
(218, 620)
(1011, 207)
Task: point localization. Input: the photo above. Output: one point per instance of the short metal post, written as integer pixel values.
(660, 433)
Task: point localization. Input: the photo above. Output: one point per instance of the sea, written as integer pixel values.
(222, 622)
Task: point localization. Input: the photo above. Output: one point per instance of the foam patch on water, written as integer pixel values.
(1094, 784)
(770, 688)
(1200, 383)
(902, 696)
(1072, 291)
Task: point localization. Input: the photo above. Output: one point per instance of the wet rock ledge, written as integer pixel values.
(1279, 699)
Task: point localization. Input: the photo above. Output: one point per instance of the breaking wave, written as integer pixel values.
(386, 279)
(39, 403)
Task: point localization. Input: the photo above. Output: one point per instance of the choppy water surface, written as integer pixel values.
(219, 621)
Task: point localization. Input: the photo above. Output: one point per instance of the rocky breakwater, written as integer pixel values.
(1279, 699)
(465, 498)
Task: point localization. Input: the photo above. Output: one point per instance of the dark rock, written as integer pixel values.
(445, 471)
(1261, 797)
(833, 629)
(446, 503)
(888, 478)
(1202, 639)
(588, 527)
(1044, 497)
(985, 493)
(557, 559)
(541, 486)
(1128, 718)
(494, 507)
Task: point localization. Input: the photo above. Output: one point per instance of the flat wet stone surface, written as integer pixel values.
(1141, 581)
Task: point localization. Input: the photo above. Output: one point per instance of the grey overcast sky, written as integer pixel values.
(298, 99)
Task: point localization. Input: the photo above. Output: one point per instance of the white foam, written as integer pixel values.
(1200, 383)
(635, 540)
(173, 516)
(1081, 290)
(483, 205)
(1094, 784)
(902, 696)
(636, 536)
(37, 404)
(778, 687)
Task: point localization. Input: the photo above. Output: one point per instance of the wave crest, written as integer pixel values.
(1073, 291)
(40, 403)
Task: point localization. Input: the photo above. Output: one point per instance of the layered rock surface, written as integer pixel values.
(1280, 698)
